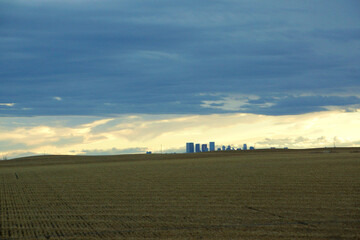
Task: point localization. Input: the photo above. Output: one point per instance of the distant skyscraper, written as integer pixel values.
(212, 146)
(204, 148)
(228, 148)
(245, 146)
(223, 148)
(189, 147)
(219, 149)
(252, 148)
(197, 147)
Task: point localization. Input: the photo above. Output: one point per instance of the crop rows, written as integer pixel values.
(263, 196)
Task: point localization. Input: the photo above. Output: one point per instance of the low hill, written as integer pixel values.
(79, 159)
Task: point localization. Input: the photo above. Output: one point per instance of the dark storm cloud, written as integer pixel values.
(283, 105)
(114, 57)
(342, 35)
(305, 104)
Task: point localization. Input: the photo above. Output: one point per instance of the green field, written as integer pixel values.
(288, 194)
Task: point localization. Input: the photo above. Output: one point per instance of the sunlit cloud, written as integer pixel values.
(96, 123)
(7, 104)
(137, 133)
(349, 108)
(57, 98)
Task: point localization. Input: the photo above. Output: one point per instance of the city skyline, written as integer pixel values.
(192, 147)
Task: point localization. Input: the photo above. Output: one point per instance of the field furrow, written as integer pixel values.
(265, 195)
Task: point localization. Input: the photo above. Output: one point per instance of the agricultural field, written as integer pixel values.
(261, 194)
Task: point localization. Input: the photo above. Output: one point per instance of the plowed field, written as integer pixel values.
(309, 194)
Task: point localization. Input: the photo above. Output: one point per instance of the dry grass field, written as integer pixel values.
(273, 194)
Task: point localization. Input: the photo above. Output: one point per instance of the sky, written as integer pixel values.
(127, 76)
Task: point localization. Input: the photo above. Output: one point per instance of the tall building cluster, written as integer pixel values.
(191, 147)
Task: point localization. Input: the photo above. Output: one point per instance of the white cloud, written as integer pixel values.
(7, 104)
(57, 98)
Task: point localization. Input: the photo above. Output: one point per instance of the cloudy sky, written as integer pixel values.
(126, 76)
